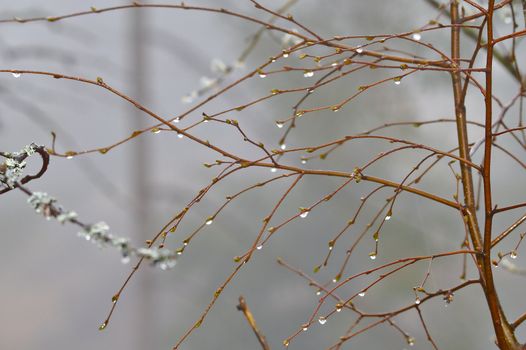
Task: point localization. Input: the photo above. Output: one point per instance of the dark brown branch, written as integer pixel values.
(43, 168)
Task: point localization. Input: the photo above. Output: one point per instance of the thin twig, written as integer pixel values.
(243, 307)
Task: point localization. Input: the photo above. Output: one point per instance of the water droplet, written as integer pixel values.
(177, 120)
(209, 221)
(417, 36)
(156, 130)
(322, 320)
(286, 343)
(389, 215)
(283, 146)
(308, 74)
(16, 74)
(103, 326)
(304, 327)
(125, 259)
(361, 294)
(372, 255)
(273, 170)
(417, 301)
(335, 108)
(304, 214)
(507, 19)
(359, 50)
(304, 161)
(448, 298)
(259, 247)
(339, 307)
(334, 64)
(397, 80)
(318, 292)
(279, 124)
(115, 298)
(179, 135)
(262, 75)
(513, 254)
(410, 341)
(299, 113)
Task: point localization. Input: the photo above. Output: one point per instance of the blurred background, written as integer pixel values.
(56, 289)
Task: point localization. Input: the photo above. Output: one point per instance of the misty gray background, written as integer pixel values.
(56, 289)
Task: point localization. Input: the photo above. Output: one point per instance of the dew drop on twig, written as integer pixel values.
(410, 341)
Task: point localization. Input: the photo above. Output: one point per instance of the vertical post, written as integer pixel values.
(139, 165)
